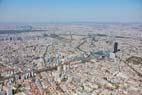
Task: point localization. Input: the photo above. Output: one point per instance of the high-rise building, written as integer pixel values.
(115, 47)
(9, 92)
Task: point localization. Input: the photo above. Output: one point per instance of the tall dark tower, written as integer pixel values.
(115, 47)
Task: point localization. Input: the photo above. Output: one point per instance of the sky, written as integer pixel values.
(44, 11)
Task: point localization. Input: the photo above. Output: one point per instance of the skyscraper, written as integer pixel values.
(115, 47)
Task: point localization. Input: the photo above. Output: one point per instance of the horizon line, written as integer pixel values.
(72, 22)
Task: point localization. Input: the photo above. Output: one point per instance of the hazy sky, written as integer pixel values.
(70, 11)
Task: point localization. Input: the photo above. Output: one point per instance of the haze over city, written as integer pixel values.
(70, 47)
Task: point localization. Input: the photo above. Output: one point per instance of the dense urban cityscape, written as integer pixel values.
(71, 59)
